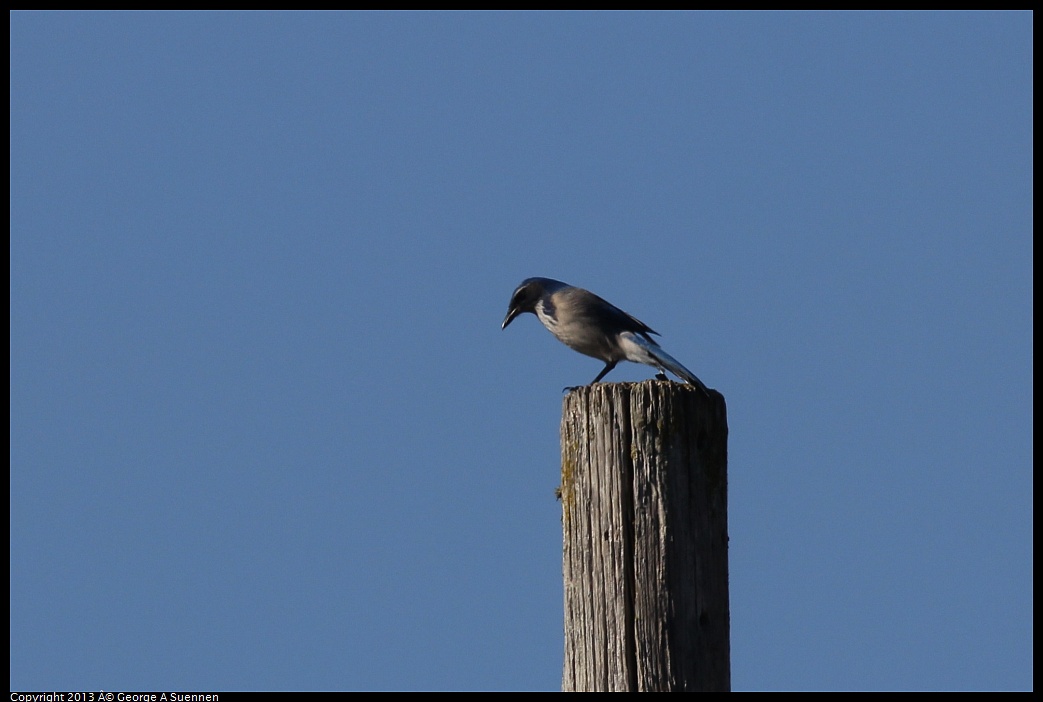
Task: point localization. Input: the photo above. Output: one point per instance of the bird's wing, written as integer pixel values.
(617, 318)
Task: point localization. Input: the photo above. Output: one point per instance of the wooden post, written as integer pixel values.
(644, 495)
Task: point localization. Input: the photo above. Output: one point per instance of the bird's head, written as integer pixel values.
(527, 295)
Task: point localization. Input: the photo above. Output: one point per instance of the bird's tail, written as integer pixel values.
(642, 350)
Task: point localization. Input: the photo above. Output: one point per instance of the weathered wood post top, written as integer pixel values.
(644, 494)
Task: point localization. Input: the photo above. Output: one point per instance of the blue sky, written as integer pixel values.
(266, 432)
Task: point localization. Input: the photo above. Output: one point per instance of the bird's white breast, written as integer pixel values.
(547, 319)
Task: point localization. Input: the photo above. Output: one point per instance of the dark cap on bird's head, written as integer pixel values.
(526, 295)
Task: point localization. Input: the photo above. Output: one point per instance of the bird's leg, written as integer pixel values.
(608, 366)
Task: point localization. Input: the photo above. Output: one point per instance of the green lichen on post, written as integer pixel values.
(566, 491)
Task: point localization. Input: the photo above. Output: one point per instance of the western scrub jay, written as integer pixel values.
(584, 322)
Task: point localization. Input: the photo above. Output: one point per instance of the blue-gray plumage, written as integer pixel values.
(584, 322)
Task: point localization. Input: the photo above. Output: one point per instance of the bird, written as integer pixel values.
(586, 323)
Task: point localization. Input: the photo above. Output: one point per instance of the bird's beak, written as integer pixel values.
(511, 314)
